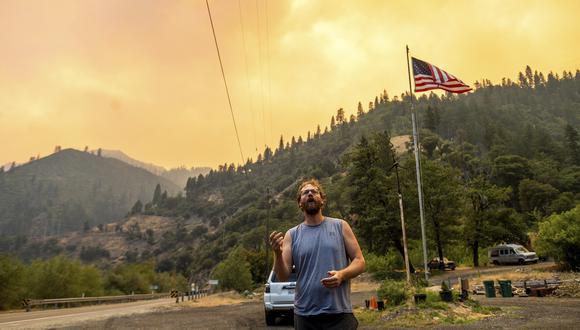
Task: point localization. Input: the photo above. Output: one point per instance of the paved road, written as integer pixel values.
(39, 319)
(154, 314)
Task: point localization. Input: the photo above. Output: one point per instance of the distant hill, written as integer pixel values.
(177, 175)
(180, 175)
(118, 154)
(71, 190)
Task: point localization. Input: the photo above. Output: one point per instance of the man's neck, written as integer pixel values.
(313, 220)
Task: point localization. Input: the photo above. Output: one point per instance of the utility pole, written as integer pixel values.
(267, 235)
(406, 253)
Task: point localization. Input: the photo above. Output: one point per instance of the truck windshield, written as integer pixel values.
(521, 249)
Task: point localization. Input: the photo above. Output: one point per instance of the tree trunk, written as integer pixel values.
(475, 247)
(399, 247)
(439, 245)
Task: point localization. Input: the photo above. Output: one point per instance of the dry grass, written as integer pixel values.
(219, 299)
(400, 143)
(405, 316)
(363, 283)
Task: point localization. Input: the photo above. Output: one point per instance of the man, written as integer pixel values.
(319, 249)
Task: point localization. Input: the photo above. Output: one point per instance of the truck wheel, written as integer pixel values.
(521, 261)
(495, 262)
(270, 318)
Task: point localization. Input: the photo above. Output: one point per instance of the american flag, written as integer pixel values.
(428, 76)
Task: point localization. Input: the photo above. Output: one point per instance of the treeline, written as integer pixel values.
(60, 277)
(496, 164)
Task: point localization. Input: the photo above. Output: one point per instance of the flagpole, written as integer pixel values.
(418, 170)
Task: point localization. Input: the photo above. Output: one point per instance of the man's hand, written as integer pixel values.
(276, 240)
(333, 280)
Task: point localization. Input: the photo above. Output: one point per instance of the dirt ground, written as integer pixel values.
(519, 313)
(233, 311)
(529, 313)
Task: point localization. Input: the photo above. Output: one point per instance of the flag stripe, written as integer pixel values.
(428, 77)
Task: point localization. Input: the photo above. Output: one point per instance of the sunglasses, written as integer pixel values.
(307, 191)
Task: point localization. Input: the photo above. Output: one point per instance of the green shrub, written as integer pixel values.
(234, 272)
(383, 266)
(60, 277)
(394, 292)
(433, 301)
(12, 274)
(559, 237)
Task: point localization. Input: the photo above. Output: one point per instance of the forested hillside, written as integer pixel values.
(69, 191)
(496, 162)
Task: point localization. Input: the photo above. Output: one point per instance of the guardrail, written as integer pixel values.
(28, 304)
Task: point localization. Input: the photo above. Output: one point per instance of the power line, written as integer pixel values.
(268, 65)
(251, 103)
(261, 72)
(225, 83)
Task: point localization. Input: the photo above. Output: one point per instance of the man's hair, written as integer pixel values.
(316, 184)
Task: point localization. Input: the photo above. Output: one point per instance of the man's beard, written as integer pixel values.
(312, 207)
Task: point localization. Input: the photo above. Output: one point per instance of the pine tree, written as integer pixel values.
(537, 82)
(281, 144)
(138, 207)
(573, 143)
(529, 76)
(432, 119)
(318, 131)
(360, 111)
(340, 118)
(523, 81)
(376, 102)
(267, 154)
(332, 123)
(157, 195)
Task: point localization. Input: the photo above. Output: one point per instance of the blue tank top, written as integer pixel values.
(315, 251)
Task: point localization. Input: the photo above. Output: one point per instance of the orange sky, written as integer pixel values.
(143, 76)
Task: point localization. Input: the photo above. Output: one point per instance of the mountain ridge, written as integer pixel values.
(64, 190)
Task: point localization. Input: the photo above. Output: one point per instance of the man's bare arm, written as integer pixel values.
(357, 264)
(282, 246)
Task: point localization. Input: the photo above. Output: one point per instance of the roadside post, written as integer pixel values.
(464, 288)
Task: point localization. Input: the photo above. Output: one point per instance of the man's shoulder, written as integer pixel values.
(293, 229)
(334, 220)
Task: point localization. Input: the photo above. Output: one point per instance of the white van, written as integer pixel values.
(511, 254)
